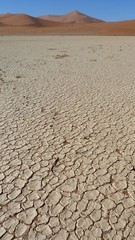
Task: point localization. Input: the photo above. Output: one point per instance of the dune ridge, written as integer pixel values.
(72, 17)
(24, 20)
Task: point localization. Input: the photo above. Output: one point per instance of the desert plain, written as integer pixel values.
(67, 138)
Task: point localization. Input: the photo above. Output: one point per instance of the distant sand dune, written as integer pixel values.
(24, 20)
(74, 23)
(74, 16)
(117, 28)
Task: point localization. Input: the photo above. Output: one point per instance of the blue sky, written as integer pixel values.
(108, 10)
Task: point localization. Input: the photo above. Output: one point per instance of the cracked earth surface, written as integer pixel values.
(67, 138)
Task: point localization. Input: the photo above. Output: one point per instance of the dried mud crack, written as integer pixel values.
(67, 137)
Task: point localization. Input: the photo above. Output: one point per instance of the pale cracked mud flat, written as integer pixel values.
(67, 129)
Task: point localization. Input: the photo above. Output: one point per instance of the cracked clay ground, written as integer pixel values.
(67, 138)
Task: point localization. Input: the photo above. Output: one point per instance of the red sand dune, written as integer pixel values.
(117, 28)
(73, 17)
(22, 24)
(23, 20)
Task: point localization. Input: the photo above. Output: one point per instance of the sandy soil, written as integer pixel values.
(67, 130)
